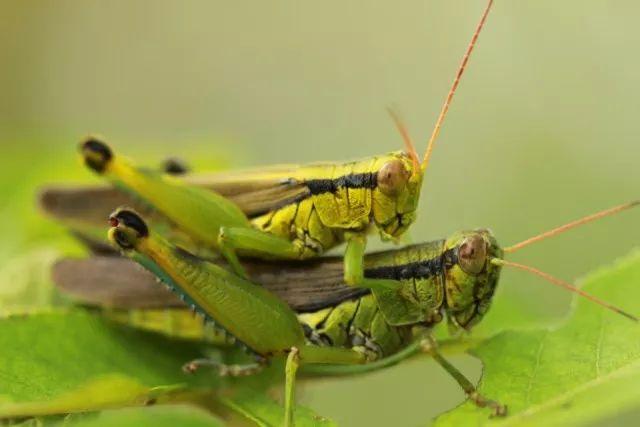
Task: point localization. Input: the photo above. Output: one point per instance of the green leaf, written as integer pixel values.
(65, 362)
(103, 392)
(157, 416)
(25, 284)
(260, 409)
(585, 370)
(46, 355)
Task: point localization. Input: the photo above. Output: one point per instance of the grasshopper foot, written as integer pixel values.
(429, 346)
(499, 410)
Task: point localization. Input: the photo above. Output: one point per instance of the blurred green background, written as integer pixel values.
(543, 129)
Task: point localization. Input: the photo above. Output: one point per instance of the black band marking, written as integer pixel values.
(415, 270)
(358, 180)
(321, 186)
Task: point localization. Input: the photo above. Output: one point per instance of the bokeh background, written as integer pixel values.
(544, 128)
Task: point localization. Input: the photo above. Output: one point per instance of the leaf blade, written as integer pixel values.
(540, 373)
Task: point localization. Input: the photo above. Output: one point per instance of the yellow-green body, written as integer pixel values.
(431, 283)
(318, 221)
(230, 301)
(298, 212)
(207, 211)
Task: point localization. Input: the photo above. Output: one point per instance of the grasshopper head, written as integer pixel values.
(471, 281)
(127, 229)
(96, 154)
(396, 196)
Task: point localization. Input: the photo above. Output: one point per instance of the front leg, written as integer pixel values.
(354, 265)
(429, 346)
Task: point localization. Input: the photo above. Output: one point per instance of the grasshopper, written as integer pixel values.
(296, 212)
(454, 278)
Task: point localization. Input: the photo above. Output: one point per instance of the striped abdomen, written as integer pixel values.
(355, 324)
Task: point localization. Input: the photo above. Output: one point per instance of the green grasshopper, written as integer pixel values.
(297, 212)
(454, 277)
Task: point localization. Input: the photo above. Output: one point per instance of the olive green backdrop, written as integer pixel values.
(544, 128)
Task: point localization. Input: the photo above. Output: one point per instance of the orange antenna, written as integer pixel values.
(454, 86)
(569, 226)
(408, 143)
(563, 284)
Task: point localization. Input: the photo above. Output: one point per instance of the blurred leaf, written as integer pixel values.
(157, 416)
(46, 355)
(585, 370)
(56, 363)
(103, 392)
(25, 284)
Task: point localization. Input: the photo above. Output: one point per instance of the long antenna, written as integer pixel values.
(569, 226)
(454, 86)
(563, 284)
(408, 142)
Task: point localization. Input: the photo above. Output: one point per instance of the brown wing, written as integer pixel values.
(306, 286)
(86, 204)
(255, 194)
(119, 283)
(111, 281)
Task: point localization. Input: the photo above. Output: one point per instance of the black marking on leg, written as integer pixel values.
(130, 219)
(320, 325)
(325, 339)
(96, 146)
(352, 319)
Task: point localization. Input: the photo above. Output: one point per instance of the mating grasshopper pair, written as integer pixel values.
(371, 309)
(304, 311)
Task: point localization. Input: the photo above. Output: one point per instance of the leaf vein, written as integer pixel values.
(532, 377)
(570, 393)
(599, 346)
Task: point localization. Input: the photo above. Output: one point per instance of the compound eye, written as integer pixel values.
(472, 255)
(392, 177)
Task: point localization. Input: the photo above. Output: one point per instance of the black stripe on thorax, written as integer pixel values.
(415, 270)
(356, 180)
(321, 186)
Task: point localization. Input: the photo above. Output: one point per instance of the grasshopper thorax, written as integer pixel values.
(472, 279)
(396, 195)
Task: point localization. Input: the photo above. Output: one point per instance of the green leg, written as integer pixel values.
(291, 368)
(429, 346)
(310, 354)
(354, 265)
(224, 370)
(232, 239)
(345, 369)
